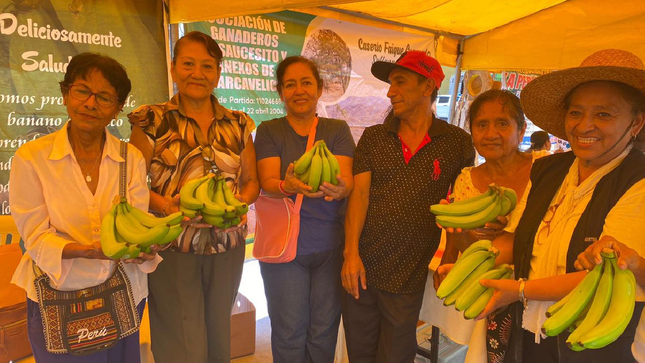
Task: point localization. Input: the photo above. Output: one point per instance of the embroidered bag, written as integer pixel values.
(86, 321)
(278, 222)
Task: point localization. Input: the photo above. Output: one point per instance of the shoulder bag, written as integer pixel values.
(278, 222)
(86, 321)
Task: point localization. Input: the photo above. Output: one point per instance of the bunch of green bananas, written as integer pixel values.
(126, 231)
(598, 310)
(477, 211)
(461, 286)
(316, 166)
(210, 197)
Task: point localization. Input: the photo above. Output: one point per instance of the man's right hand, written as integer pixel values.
(353, 270)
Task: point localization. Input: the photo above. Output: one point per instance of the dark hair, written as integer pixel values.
(538, 139)
(83, 64)
(632, 95)
(507, 99)
(198, 37)
(282, 69)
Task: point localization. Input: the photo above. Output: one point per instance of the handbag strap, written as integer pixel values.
(310, 143)
(122, 170)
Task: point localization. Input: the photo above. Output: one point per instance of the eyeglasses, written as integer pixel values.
(548, 218)
(82, 93)
(209, 157)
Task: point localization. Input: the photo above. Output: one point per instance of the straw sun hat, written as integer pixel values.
(543, 98)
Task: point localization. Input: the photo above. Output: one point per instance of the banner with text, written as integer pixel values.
(253, 46)
(37, 41)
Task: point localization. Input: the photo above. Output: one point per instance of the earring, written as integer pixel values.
(634, 137)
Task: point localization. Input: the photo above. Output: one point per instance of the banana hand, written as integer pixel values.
(294, 185)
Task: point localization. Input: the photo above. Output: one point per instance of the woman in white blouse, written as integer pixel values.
(497, 125)
(576, 198)
(62, 185)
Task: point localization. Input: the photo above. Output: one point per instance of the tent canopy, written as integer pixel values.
(525, 35)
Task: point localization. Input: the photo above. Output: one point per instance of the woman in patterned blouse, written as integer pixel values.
(185, 138)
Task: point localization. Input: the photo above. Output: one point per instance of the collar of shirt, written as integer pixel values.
(62, 147)
(174, 104)
(438, 126)
(408, 153)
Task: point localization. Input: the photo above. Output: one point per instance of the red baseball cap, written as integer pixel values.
(413, 60)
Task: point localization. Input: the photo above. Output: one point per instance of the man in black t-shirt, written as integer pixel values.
(401, 167)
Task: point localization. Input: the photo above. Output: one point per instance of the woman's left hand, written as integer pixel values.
(507, 291)
(491, 229)
(334, 192)
(143, 257)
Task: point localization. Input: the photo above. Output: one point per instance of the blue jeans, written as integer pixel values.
(303, 299)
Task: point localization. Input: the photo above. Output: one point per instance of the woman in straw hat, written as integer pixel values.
(595, 192)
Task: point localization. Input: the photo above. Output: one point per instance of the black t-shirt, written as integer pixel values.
(321, 222)
(400, 235)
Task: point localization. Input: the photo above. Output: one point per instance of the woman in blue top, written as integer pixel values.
(304, 295)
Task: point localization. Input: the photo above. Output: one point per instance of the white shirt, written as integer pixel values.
(52, 206)
(623, 222)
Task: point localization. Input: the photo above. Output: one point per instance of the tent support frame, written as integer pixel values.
(455, 89)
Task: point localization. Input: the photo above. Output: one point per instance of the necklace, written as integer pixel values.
(88, 177)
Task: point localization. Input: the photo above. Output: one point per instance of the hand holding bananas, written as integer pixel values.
(127, 231)
(318, 168)
(462, 286)
(477, 211)
(210, 198)
(598, 310)
(627, 257)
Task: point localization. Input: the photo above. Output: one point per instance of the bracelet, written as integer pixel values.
(521, 292)
(282, 188)
(163, 210)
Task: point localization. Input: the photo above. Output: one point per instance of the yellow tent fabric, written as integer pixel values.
(559, 37)
(497, 34)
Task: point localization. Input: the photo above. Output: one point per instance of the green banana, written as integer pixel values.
(149, 220)
(304, 177)
(173, 233)
(187, 194)
(109, 245)
(333, 164)
(474, 276)
(580, 318)
(315, 172)
(597, 308)
(460, 272)
(136, 233)
(235, 221)
(218, 198)
(240, 207)
(482, 300)
(506, 205)
(564, 317)
(188, 212)
(215, 221)
(511, 195)
(133, 252)
(202, 194)
(326, 168)
(619, 313)
(465, 207)
(304, 162)
(475, 288)
(483, 244)
(559, 304)
(476, 220)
